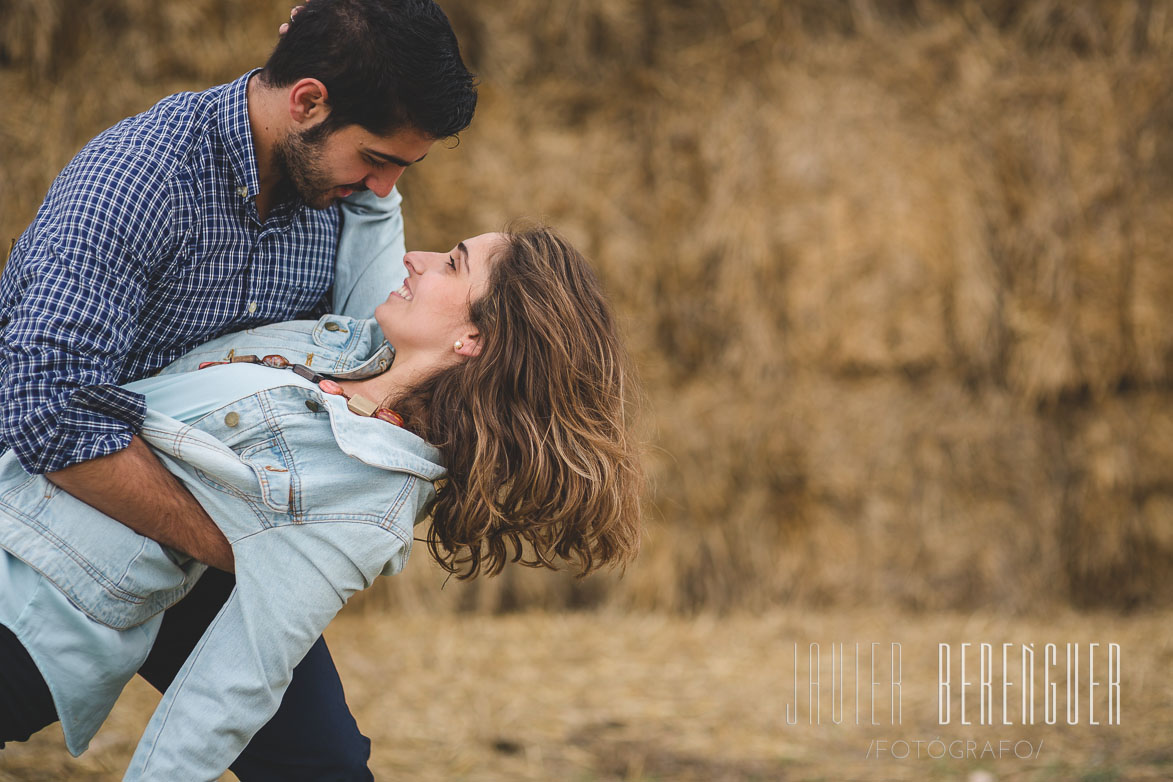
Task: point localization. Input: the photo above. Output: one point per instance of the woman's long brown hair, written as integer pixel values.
(535, 431)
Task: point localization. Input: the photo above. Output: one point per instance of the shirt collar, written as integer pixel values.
(238, 137)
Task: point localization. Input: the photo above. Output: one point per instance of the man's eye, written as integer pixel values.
(451, 263)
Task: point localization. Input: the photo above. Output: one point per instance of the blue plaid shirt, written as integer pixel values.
(147, 244)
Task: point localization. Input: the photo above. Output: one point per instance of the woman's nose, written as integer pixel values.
(418, 261)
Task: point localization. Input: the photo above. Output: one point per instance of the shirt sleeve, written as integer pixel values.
(80, 276)
(370, 253)
(290, 582)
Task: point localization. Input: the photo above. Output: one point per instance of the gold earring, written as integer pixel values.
(458, 344)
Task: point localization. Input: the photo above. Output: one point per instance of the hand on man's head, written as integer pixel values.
(292, 13)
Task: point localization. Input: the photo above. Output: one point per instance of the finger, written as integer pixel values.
(284, 28)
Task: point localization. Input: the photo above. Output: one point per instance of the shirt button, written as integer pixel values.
(242, 191)
(232, 419)
(312, 405)
(252, 306)
(331, 326)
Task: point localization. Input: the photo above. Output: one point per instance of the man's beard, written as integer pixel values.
(297, 157)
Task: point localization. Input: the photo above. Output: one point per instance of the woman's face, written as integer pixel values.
(430, 311)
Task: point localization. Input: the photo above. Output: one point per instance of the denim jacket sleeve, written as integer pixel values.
(291, 581)
(370, 253)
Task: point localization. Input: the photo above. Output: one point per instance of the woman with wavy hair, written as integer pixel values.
(489, 394)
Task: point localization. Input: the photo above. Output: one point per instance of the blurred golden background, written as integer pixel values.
(897, 276)
(896, 272)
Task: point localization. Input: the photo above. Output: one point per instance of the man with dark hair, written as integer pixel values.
(382, 75)
(213, 212)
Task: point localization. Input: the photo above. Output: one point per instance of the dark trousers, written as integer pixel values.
(312, 737)
(25, 703)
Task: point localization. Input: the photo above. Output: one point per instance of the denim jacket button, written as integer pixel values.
(232, 419)
(312, 405)
(332, 326)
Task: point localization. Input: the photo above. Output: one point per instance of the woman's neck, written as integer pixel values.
(406, 372)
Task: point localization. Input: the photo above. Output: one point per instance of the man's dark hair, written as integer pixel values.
(387, 65)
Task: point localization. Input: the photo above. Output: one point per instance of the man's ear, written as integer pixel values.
(308, 101)
(470, 345)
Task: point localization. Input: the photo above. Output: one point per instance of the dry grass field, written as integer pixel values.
(637, 697)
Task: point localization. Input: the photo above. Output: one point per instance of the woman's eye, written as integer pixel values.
(451, 263)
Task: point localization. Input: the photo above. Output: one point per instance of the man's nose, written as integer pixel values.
(382, 182)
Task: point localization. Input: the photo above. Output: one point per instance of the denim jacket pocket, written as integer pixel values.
(273, 476)
(29, 495)
(250, 428)
(116, 576)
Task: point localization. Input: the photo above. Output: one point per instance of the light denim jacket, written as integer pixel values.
(315, 501)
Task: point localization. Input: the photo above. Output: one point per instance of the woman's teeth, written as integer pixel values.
(404, 292)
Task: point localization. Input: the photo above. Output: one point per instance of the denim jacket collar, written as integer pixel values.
(387, 446)
(366, 338)
(347, 348)
(342, 347)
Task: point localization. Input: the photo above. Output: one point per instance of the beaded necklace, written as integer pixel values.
(357, 404)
